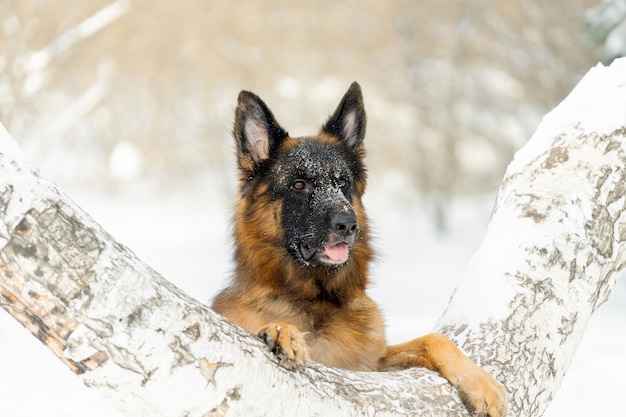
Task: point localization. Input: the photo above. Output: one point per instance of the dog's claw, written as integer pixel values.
(267, 340)
(287, 343)
(482, 394)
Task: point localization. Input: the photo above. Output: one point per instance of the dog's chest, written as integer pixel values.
(345, 338)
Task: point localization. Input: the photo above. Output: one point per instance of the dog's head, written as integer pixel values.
(316, 181)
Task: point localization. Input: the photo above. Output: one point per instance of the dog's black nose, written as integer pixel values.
(344, 224)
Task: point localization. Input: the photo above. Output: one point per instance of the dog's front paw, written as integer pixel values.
(287, 342)
(482, 394)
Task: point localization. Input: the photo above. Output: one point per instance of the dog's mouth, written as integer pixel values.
(335, 254)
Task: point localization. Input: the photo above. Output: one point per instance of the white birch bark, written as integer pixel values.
(552, 252)
(554, 247)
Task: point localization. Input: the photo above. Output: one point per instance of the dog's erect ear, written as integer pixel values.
(256, 131)
(348, 121)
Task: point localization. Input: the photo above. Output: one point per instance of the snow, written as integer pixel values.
(8, 145)
(491, 274)
(580, 110)
(413, 280)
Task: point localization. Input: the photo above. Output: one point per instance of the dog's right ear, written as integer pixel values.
(348, 122)
(256, 132)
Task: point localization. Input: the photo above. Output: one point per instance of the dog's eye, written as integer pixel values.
(299, 185)
(341, 183)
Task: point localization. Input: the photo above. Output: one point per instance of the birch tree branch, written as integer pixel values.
(552, 252)
(146, 345)
(554, 248)
(39, 60)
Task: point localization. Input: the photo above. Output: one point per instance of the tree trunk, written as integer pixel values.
(553, 250)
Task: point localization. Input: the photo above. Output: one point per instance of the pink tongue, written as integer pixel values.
(338, 252)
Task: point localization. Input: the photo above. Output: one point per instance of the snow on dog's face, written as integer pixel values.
(319, 221)
(318, 180)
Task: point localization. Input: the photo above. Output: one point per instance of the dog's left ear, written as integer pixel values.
(348, 121)
(256, 132)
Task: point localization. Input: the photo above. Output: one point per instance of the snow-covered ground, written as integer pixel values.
(184, 235)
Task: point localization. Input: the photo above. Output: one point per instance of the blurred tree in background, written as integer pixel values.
(606, 25)
(103, 92)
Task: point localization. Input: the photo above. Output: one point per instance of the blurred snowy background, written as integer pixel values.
(128, 106)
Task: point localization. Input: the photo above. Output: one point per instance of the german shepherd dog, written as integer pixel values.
(302, 255)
